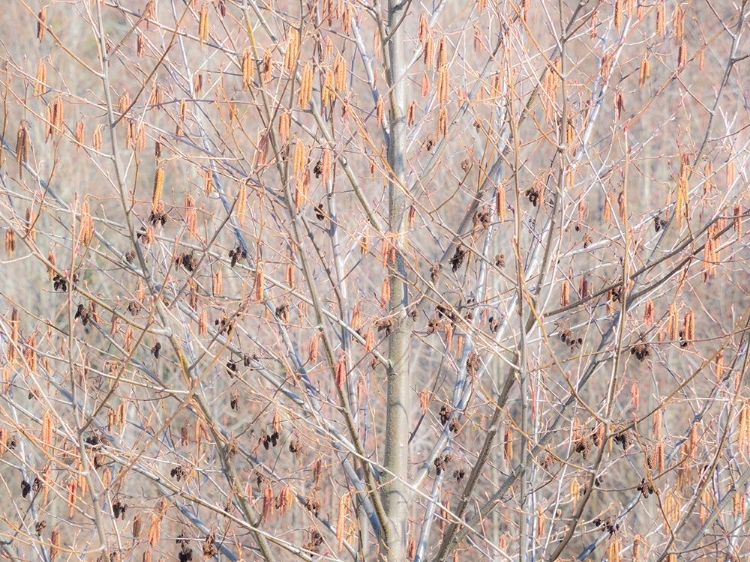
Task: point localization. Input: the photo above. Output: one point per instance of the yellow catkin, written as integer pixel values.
(635, 396)
(508, 445)
(411, 113)
(79, 134)
(638, 546)
(154, 530)
(217, 282)
(191, 216)
(339, 372)
(292, 50)
(328, 95)
(87, 224)
(96, 138)
(442, 54)
(731, 174)
(285, 124)
(660, 19)
(682, 54)
(46, 430)
(428, 52)
(325, 165)
(289, 275)
(305, 86)
(564, 293)
(424, 28)
(443, 86)
(140, 138)
(242, 204)
(40, 86)
(22, 147)
(500, 206)
(208, 182)
(299, 159)
(442, 124)
(678, 22)
(267, 66)
(575, 490)
(656, 424)
(259, 282)
(614, 550)
(672, 322)
(123, 103)
(380, 111)
(648, 313)
(158, 188)
(203, 24)
(671, 509)
(339, 72)
(737, 221)
(248, 69)
(689, 327)
(618, 19)
(58, 114)
(341, 520)
(41, 24)
(385, 292)
(644, 73)
(478, 38)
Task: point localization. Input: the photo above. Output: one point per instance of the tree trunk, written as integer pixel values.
(395, 490)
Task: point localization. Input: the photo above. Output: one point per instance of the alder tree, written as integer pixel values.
(364, 280)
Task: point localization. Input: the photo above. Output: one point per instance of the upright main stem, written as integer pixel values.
(395, 490)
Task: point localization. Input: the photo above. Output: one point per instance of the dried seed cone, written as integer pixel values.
(54, 549)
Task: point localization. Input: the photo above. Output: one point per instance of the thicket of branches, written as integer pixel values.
(364, 280)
